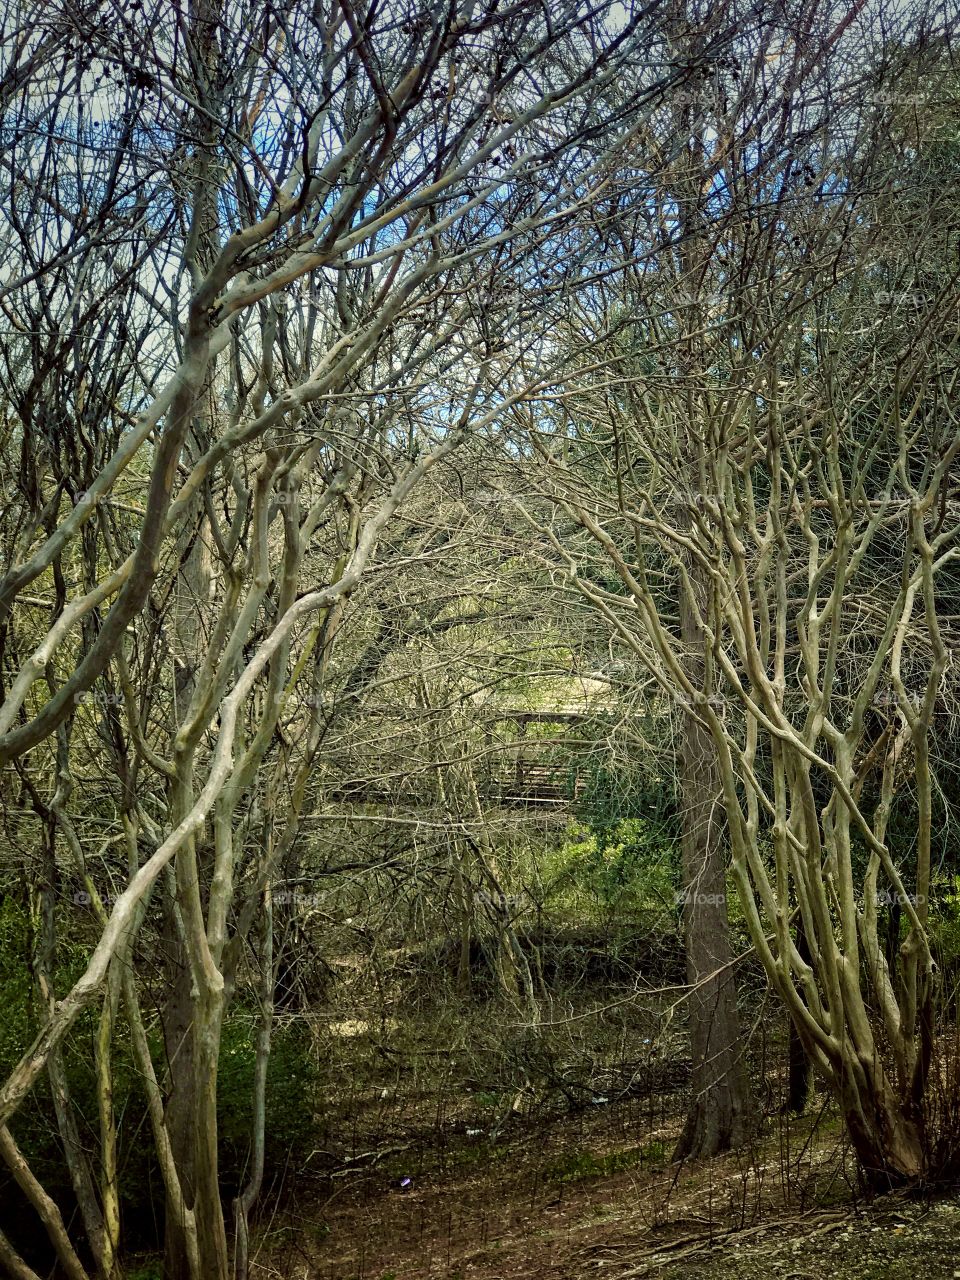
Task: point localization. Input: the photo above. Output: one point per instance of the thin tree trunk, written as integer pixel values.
(179, 1009)
(248, 1196)
(46, 1208)
(12, 1265)
(180, 1105)
(75, 1156)
(464, 896)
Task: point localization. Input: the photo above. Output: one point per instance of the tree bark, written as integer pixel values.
(721, 1111)
(180, 1106)
(888, 1145)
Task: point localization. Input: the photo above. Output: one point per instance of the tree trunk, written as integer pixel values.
(721, 1111)
(889, 1146)
(179, 1007)
(180, 1106)
(192, 1027)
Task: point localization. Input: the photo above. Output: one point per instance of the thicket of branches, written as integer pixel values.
(343, 348)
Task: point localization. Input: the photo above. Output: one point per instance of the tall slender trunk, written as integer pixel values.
(192, 1025)
(721, 1111)
(180, 1103)
(245, 1201)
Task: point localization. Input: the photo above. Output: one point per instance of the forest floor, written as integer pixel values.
(594, 1195)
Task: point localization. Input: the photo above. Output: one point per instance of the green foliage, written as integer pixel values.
(624, 855)
(611, 793)
(630, 866)
(290, 1102)
(484, 1099)
(945, 923)
(291, 1088)
(148, 1269)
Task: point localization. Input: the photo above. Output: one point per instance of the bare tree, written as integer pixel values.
(266, 271)
(778, 515)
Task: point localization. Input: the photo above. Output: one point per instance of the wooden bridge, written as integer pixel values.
(515, 767)
(521, 771)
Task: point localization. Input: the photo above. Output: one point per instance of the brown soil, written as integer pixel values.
(594, 1196)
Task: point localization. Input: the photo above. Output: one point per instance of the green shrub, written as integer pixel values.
(630, 865)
